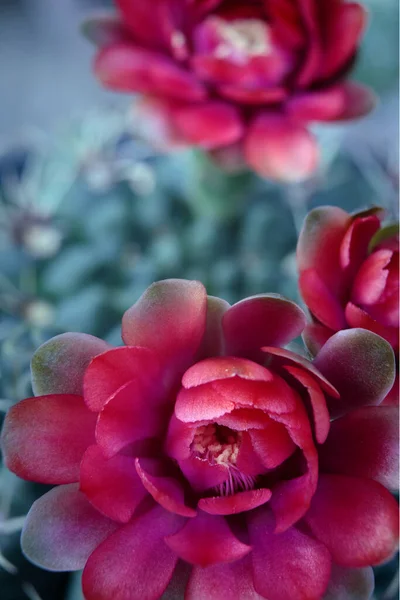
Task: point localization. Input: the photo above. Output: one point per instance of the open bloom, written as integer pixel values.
(201, 454)
(250, 76)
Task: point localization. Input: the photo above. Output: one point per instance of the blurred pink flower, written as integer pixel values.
(203, 442)
(217, 73)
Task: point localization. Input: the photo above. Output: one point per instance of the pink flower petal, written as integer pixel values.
(281, 357)
(371, 279)
(207, 540)
(356, 519)
(111, 485)
(243, 419)
(44, 438)
(357, 317)
(200, 403)
(365, 443)
(345, 27)
(179, 437)
(354, 248)
(209, 125)
(265, 320)
(167, 491)
(236, 503)
(272, 444)
(201, 475)
(169, 318)
(286, 565)
(317, 401)
(58, 366)
(360, 365)
(248, 96)
(212, 369)
(213, 340)
(280, 149)
(134, 563)
(359, 101)
(320, 300)
(132, 413)
(312, 56)
(128, 68)
(232, 581)
(315, 336)
(62, 529)
(115, 368)
(319, 245)
(350, 583)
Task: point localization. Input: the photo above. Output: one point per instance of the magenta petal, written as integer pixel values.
(115, 368)
(359, 318)
(356, 519)
(128, 68)
(286, 565)
(320, 105)
(317, 400)
(359, 101)
(111, 485)
(232, 581)
(360, 365)
(365, 443)
(62, 529)
(167, 491)
(237, 503)
(201, 475)
(265, 320)
(200, 403)
(169, 318)
(315, 336)
(58, 366)
(281, 149)
(207, 540)
(354, 248)
(322, 303)
(371, 278)
(213, 340)
(272, 444)
(209, 125)
(132, 413)
(134, 563)
(44, 438)
(357, 584)
(212, 369)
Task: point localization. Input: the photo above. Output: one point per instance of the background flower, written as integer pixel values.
(204, 441)
(227, 73)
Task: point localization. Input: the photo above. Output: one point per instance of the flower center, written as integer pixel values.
(243, 38)
(217, 444)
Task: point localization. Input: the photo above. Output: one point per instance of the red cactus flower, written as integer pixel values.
(223, 73)
(201, 454)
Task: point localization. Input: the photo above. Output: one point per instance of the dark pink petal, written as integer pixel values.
(356, 519)
(392, 398)
(236, 503)
(115, 368)
(111, 485)
(232, 581)
(209, 125)
(280, 148)
(248, 461)
(359, 101)
(291, 500)
(62, 529)
(134, 563)
(315, 336)
(169, 318)
(207, 540)
(360, 365)
(371, 278)
(345, 27)
(44, 438)
(287, 22)
(286, 565)
(212, 369)
(281, 357)
(104, 28)
(265, 320)
(365, 443)
(200, 403)
(201, 475)
(248, 96)
(128, 68)
(317, 400)
(243, 419)
(58, 366)
(357, 584)
(179, 437)
(320, 105)
(213, 340)
(319, 244)
(357, 317)
(355, 243)
(167, 491)
(321, 301)
(272, 444)
(132, 413)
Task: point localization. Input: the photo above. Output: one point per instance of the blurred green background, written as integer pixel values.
(90, 215)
